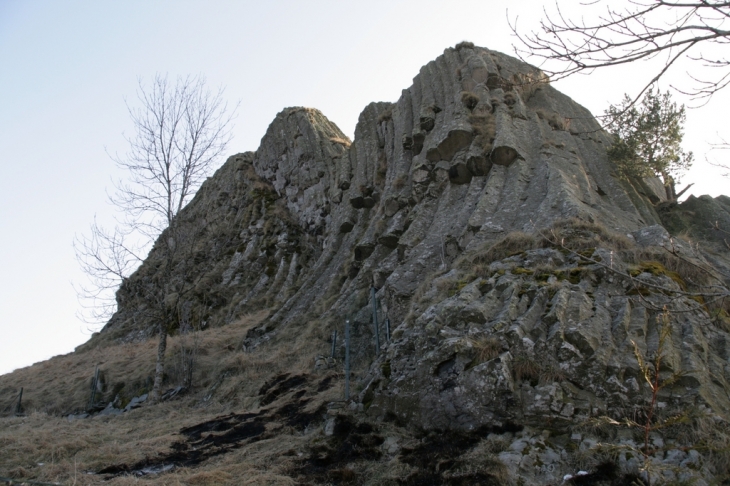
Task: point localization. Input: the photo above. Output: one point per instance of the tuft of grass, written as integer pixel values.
(512, 244)
(555, 121)
(551, 373)
(341, 141)
(510, 98)
(469, 100)
(487, 348)
(572, 275)
(380, 227)
(579, 235)
(657, 269)
(450, 286)
(484, 126)
(693, 273)
(526, 368)
(386, 115)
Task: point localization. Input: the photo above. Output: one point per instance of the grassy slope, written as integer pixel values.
(68, 448)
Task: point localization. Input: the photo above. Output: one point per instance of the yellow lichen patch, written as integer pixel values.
(657, 269)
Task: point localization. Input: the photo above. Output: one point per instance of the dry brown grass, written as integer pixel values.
(47, 448)
(512, 244)
(62, 384)
(52, 448)
(464, 45)
(577, 234)
(555, 121)
(469, 100)
(484, 126)
(386, 115)
(342, 141)
(526, 368)
(487, 348)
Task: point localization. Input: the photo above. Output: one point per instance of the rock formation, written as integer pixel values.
(514, 268)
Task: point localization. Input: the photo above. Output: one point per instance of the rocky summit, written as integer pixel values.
(517, 313)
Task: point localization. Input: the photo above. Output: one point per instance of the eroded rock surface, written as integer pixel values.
(479, 148)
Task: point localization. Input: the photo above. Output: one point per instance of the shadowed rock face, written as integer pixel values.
(478, 147)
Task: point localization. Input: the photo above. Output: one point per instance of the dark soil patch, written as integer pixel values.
(605, 474)
(325, 384)
(228, 432)
(426, 478)
(292, 414)
(218, 424)
(439, 450)
(328, 459)
(438, 456)
(203, 441)
(278, 386)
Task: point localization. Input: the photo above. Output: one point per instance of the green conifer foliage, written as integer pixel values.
(648, 139)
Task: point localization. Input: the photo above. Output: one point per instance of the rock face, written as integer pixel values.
(478, 151)
(479, 146)
(521, 346)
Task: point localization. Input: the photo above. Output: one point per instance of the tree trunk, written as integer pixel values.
(160, 368)
(669, 186)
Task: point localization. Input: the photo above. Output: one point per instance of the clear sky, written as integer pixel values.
(66, 68)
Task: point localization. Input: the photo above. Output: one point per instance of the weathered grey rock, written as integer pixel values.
(302, 156)
(110, 410)
(479, 147)
(573, 343)
(135, 402)
(78, 416)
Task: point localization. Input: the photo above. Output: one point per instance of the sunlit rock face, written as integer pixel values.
(479, 147)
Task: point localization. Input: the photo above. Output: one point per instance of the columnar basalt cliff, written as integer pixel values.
(515, 269)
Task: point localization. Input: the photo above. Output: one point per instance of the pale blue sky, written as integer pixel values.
(67, 66)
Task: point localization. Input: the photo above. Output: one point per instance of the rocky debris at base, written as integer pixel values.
(111, 409)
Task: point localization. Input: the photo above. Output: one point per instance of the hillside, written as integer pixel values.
(524, 294)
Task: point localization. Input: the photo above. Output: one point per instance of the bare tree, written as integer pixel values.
(181, 128)
(643, 29)
(180, 131)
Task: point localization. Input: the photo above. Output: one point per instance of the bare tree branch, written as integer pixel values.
(643, 29)
(180, 130)
(719, 146)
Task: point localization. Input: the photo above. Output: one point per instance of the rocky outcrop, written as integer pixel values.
(479, 151)
(556, 344)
